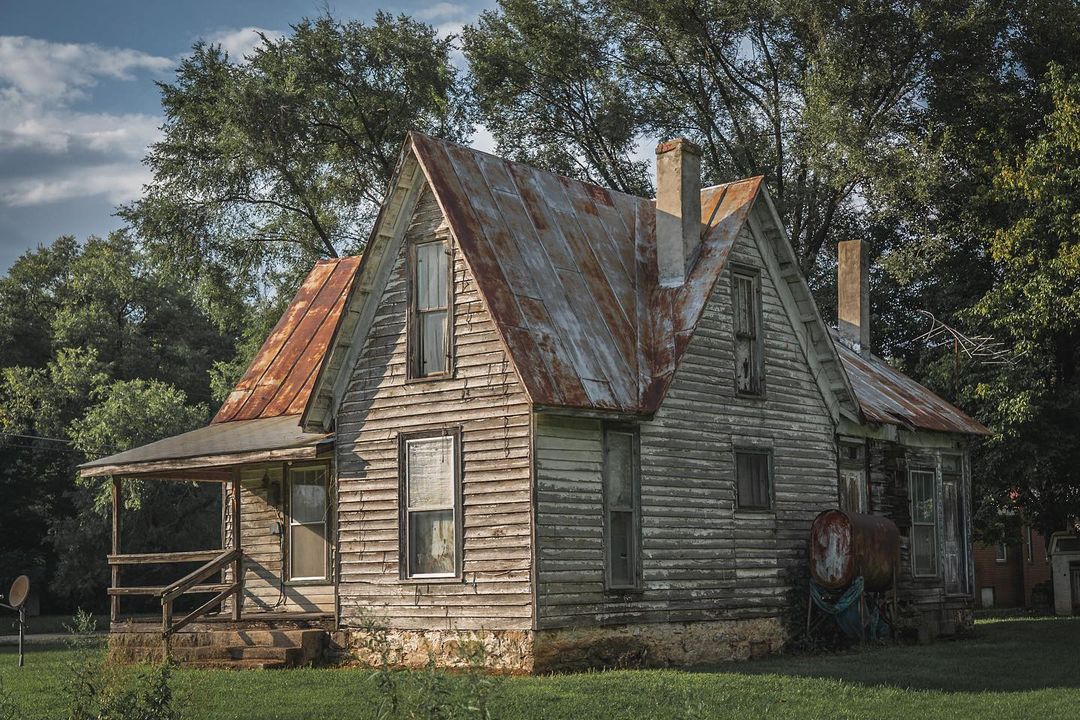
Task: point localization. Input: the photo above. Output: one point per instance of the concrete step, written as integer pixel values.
(233, 664)
(290, 656)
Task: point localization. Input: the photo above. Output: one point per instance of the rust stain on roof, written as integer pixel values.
(886, 395)
(282, 374)
(568, 271)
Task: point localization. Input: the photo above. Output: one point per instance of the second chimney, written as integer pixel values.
(678, 208)
(853, 295)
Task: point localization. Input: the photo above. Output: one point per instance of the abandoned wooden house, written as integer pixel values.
(576, 424)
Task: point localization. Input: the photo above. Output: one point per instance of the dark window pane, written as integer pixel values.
(432, 342)
(924, 557)
(752, 479)
(431, 542)
(621, 548)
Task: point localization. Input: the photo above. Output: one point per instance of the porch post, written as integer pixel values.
(237, 567)
(114, 613)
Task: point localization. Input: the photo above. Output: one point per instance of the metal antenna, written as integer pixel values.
(980, 348)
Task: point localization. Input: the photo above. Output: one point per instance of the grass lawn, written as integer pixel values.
(1006, 669)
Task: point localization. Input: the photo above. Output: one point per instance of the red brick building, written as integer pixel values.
(1006, 575)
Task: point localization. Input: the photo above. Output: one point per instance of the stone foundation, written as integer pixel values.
(568, 650)
(657, 644)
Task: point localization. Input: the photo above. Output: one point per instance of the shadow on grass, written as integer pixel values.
(1001, 656)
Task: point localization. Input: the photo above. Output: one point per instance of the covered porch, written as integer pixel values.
(275, 560)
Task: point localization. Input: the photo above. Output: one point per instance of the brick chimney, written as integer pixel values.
(678, 208)
(853, 295)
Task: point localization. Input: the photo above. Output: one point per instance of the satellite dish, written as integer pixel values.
(19, 590)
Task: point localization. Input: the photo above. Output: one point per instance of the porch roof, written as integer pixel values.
(215, 446)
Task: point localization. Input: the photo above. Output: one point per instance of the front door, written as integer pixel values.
(308, 508)
(1074, 583)
(955, 523)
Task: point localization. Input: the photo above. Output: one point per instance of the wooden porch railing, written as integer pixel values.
(193, 582)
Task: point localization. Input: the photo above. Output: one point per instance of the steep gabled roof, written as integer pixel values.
(567, 270)
(888, 396)
(281, 375)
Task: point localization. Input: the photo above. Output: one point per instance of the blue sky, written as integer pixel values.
(78, 104)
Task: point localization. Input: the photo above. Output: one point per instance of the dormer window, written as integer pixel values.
(430, 303)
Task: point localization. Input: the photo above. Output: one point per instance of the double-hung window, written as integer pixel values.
(923, 523)
(309, 557)
(430, 304)
(746, 304)
(753, 479)
(622, 509)
(430, 505)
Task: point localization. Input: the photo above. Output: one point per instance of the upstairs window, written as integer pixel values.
(746, 303)
(622, 509)
(923, 523)
(753, 479)
(430, 303)
(430, 505)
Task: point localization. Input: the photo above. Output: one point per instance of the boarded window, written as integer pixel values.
(308, 552)
(623, 524)
(430, 304)
(430, 506)
(923, 523)
(852, 489)
(747, 319)
(753, 476)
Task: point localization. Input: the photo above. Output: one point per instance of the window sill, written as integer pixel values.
(755, 512)
(308, 583)
(746, 394)
(433, 580)
(430, 378)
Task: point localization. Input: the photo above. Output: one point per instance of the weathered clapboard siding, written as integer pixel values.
(889, 464)
(485, 399)
(263, 554)
(702, 558)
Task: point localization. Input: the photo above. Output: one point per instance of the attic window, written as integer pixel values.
(430, 304)
(746, 307)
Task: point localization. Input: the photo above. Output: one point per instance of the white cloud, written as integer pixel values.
(240, 43)
(51, 147)
(116, 182)
(443, 11)
(39, 69)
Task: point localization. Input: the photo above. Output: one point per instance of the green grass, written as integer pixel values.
(1005, 669)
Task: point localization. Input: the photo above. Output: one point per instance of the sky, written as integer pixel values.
(78, 104)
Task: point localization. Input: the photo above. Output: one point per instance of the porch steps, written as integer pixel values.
(230, 648)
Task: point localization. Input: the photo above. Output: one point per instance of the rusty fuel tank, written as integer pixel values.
(845, 545)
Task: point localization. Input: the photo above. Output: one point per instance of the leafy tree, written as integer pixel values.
(818, 97)
(1034, 306)
(280, 158)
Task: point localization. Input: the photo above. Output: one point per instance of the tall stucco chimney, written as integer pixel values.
(853, 295)
(678, 208)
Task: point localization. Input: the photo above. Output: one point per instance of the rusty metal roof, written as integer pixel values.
(214, 445)
(886, 395)
(568, 271)
(280, 377)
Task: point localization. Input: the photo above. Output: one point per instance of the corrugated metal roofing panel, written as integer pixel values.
(280, 377)
(231, 438)
(568, 271)
(886, 395)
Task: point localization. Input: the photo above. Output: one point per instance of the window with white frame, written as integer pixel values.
(746, 306)
(309, 557)
(753, 479)
(622, 508)
(430, 505)
(1002, 553)
(923, 523)
(430, 304)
